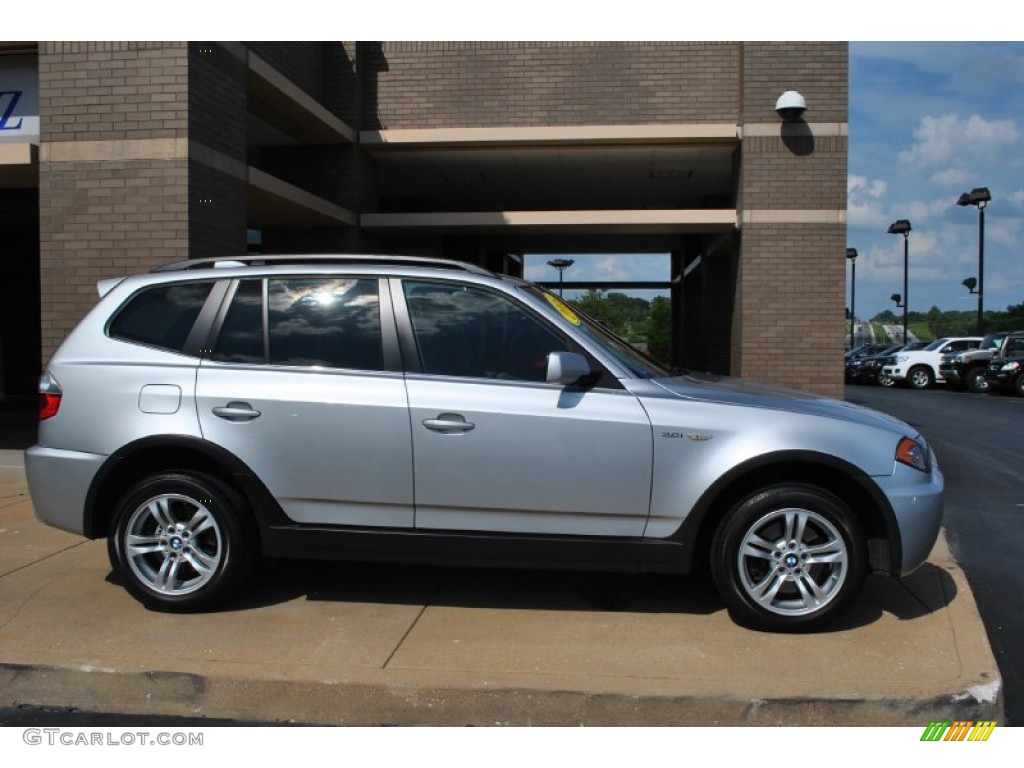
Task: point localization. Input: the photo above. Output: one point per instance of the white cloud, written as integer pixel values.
(951, 177)
(865, 202)
(941, 139)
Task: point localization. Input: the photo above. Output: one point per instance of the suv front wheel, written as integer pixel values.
(181, 542)
(920, 377)
(975, 380)
(789, 558)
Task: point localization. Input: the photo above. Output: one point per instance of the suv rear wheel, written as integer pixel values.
(789, 558)
(181, 542)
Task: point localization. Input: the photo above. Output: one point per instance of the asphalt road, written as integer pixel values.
(977, 439)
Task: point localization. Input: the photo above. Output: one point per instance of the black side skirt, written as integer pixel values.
(477, 549)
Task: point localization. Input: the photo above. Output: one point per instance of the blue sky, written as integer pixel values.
(928, 121)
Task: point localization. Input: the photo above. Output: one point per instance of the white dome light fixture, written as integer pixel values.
(791, 105)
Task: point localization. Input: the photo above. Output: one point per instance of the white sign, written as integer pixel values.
(19, 99)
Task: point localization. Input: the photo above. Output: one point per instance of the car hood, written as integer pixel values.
(709, 387)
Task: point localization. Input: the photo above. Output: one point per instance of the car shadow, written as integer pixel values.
(930, 589)
(544, 590)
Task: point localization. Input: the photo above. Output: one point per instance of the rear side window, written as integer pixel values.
(310, 322)
(161, 316)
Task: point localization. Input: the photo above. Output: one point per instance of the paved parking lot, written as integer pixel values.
(337, 643)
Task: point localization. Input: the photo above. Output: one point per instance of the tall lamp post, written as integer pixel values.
(902, 227)
(851, 254)
(980, 197)
(561, 265)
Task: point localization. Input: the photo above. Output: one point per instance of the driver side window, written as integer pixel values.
(465, 331)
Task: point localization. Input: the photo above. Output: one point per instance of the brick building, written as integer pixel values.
(117, 157)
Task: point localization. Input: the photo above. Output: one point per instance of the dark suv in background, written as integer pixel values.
(966, 370)
(1006, 368)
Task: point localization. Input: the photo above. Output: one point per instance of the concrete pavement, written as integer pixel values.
(362, 644)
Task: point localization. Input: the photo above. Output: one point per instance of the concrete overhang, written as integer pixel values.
(19, 153)
(610, 135)
(19, 165)
(276, 203)
(525, 222)
(275, 98)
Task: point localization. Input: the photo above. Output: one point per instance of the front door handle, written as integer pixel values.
(449, 423)
(236, 411)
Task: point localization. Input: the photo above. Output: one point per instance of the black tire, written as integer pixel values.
(764, 559)
(1018, 385)
(975, 381)
(182, 542)
(886, 381)
(920, 377)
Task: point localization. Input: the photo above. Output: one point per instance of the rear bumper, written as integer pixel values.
(58, 482)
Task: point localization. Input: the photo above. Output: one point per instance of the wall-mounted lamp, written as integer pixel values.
(791, 105)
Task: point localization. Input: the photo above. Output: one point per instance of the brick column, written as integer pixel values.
(792, 200)
(113, 172)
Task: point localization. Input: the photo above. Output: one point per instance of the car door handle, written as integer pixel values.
(449, 422)
(236, 411)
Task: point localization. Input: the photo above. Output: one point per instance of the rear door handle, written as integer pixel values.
(449, 423)
(236, 411)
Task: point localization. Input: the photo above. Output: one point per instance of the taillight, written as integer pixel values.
(49, 396)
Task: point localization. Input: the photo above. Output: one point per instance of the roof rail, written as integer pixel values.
(261, 261)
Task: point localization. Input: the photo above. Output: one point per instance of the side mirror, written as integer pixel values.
(566, 368)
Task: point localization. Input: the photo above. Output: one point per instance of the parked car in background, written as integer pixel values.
(397, 408)
(1006, 368)
(868, 370)
(919, 369)
(862, 352)
(967, 370)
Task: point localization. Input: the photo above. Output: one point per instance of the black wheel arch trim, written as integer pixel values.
(223, 464)
(690, 530)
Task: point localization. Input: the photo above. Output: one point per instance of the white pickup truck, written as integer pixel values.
(920, 369)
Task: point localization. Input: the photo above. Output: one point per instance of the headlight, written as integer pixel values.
(1011, 366)
(913, 454)
(903, 358)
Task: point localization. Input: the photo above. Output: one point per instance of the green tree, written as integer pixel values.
(659, 329)
(624, 315)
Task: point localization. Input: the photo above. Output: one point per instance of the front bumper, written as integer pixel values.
(59, 482)
(917, 500)
(1000, 380)
(895, 372)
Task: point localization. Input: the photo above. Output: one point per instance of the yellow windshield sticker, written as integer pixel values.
(563, 308)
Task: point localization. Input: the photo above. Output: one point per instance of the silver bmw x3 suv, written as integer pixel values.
(389, 408)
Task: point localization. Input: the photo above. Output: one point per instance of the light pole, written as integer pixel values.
(561, 265)
(902, 227)
(979, 196)
(851, 254)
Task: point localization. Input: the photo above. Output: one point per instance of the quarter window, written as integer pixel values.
(465, 331)
(161, 316)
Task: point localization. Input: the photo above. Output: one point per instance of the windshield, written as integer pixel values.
(935, 345)
(625, 354)
(992, 341)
